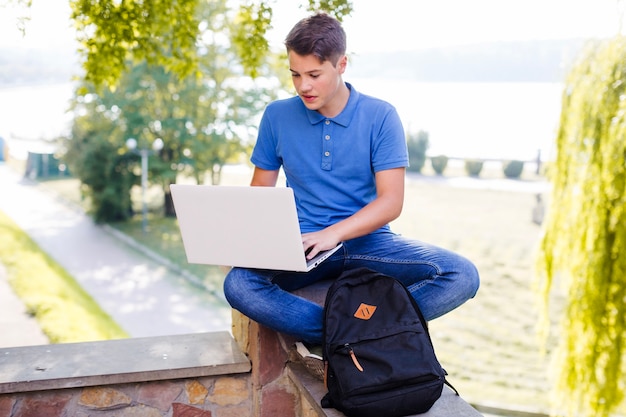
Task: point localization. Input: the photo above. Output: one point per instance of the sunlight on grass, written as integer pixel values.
(64, 311)
(162, 237)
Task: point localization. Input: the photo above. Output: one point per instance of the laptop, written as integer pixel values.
(253, 227)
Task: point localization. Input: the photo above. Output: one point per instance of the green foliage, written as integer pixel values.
(92, 155)
(251, 25)
(584, 245)
(113, 33)
(439, 163)
(254, 19)
(417, 145)
(339, 8)
(513, 169)
(473, 167)
(204, 123)
(65, 312)
(160, 32)
(22, 18)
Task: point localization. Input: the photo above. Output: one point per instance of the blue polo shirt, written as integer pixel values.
(330, 162)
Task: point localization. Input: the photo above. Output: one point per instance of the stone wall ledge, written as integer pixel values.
(71, 365)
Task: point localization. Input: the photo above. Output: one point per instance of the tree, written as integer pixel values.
(160, 32)
(584, 243)
(94, 158)
(114, 33)
(165, 32)
(204, 122)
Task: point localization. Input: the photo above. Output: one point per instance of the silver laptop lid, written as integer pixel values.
(255, 227)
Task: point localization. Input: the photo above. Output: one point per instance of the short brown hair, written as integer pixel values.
(320, 35)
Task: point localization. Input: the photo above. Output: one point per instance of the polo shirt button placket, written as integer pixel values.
(327, 145)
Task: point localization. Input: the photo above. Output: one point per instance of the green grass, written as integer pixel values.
(65, 312)
(162, 237)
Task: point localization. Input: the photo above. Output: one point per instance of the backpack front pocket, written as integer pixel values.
(377, 364)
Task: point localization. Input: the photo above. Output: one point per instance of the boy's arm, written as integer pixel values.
(264, 178)
(386, 207)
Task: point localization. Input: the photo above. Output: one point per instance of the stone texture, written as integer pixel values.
(196, 392)
(239, 411)
(43, 404)
(140, 410)
(272, 357)
(230, 391)
(6, 405)
(306, 409)
(184, 410)
(277, 401)
(103, 398)
(160, 395)
(130, 360)
(241, 331)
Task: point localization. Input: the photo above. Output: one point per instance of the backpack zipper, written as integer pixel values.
(355, 361)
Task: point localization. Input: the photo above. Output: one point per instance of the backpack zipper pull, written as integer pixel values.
(355, 361)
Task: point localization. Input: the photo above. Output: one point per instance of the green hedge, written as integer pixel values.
(439, 163)
(473, 167)
(513, 169)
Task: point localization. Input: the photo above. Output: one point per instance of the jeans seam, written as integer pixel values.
(393, 261)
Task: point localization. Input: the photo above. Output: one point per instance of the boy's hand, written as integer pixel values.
(316, 242)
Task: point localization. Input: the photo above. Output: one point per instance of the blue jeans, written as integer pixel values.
(438, 279)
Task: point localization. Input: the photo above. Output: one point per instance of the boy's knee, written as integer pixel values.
(230, 288)
(472, 277)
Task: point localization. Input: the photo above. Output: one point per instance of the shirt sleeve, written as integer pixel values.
(389, 149)
(265, 154)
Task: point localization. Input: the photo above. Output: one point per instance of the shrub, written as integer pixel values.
(439, 163)
(417, 144)
(473, 167)
(513, 169)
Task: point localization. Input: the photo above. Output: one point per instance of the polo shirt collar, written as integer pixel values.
(343, 118)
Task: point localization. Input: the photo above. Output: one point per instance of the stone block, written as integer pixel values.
(103, 398)
(49, 404)
(69, 365)
(139, 410)
(230, 391)
(6, 405)
(196, 392)
(159, 394)
(272, 356)
(185, 410)
(277, 401)
(232, 411)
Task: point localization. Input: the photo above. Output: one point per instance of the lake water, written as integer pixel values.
(31, 113)
(486, 120)
(483, 120)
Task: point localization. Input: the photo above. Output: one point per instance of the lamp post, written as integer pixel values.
(157, 145)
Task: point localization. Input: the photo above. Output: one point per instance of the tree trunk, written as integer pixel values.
(168, 204)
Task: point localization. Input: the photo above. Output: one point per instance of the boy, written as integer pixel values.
(344, 155)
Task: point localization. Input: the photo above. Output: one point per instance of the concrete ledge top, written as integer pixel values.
(36, 368)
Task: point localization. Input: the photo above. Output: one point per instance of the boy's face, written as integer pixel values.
(319, 84)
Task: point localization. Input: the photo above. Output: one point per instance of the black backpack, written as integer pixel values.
(378, 352)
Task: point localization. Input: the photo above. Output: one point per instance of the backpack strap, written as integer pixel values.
(445, 381)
